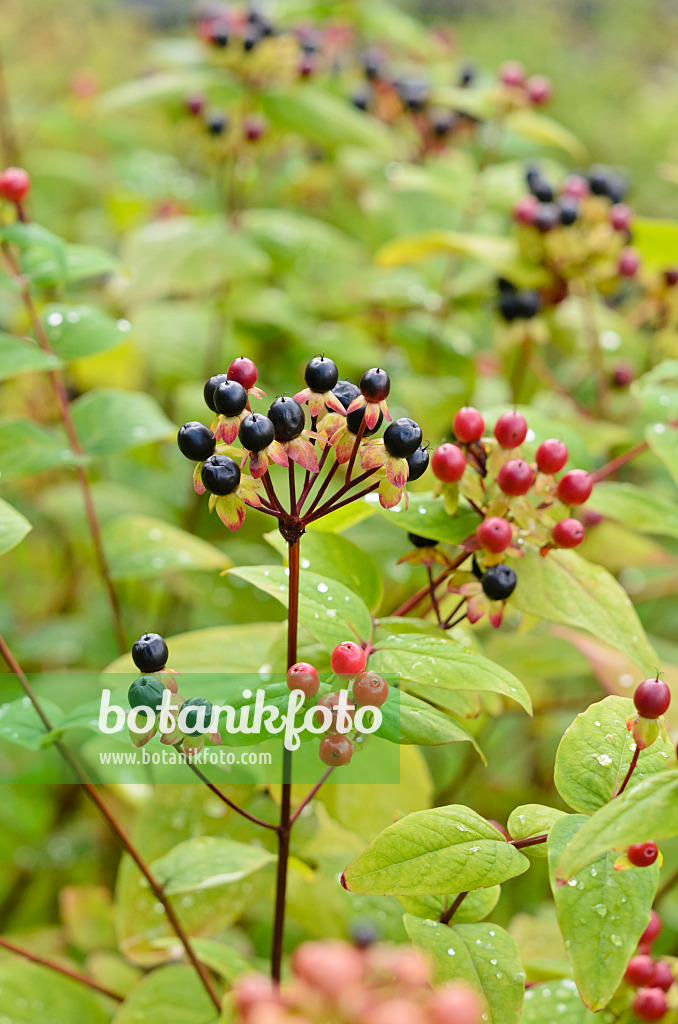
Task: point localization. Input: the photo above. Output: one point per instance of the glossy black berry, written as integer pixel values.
(418, 462)
(528, 304)
(252, 36)
(420, 542)
(355, 418)
(532, 175)
(547, 217)
(506, 287)
(216, 123)
(193, 723)
(361, 98)
(371, 62)
(211, 386)
(443, 122)
(196, 441)
(287, 417)
(220, 474)
(499, 582)
(466, 75)
(345, 392)
(150, 653)
(413, 93)
(219, 36)
(256, 432)
(321, 374)
(375, 385)
(541, 189)
(604, 182)
(402, 437)
(569, 210)
(230, 398)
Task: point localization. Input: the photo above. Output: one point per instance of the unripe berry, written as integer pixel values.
(244, 371)
(468, 425)
(457, 1004)
(652, 698)
(369, 688)
(568, 533)
(642, 855)
(525, 210)
(252, 990)
(302, 676)
(575, 487)
(547, 217)
(539, 89)
(662, 976)
(195, 104)
(620, 216)
(629, 262)
(448, 463)
(671, 277)
(348, 659)
(576, 186)
(652, 931)
(515, 477)
(513, 73)
(336, 750)
(551, 456)
(650, 1004)
(510, 429)
(14, 184)
(494, 534)
(640, 970)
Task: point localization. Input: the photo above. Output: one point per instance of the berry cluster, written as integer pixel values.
(521, 90)
(343, 419)
(520, 503)
(652, 978)
(357, 984)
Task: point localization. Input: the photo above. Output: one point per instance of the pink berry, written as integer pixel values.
(253, 128)
(620, 216)
(575, 487)
(551, 456)
(370, 689)
(576, 186)
(195, 104)
(652, 931)
(303, 676)
(448, 463)
(662, 976)
(510, 429)
(243, 371)
(332, 966)
(568, 533)
(513, 73)
(539, 90)
(622, 375)
(468, 425)
(515, 477)
(495, 534)
(348, 659)
(629, 262)
(642, 855)
(640, 970)
(525, 209)
(335, 750)
(652, 698)
(14, 184)
(457, 1004)
(254, 990)
(650, 1004)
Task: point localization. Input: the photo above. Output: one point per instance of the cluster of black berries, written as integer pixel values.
(224, 27)
(517, 303)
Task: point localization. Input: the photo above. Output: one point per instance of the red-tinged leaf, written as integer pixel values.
(389, 496)
(277, 454)
(197, 480)
(231, 511)
(303, 452)
(373, 455)
(397, 471)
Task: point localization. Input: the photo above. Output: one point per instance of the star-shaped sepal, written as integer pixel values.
(301, 451)
(478, 603)
(427, 556)
(198, 485)
(225, 428)
(343, 442)
(374, 455)
(372, 410)
(317, 402)
(259, 461)
(231, 507)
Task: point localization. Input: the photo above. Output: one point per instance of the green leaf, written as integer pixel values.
(295, 238)
(168, 995)
(543, 130)
(636, 508)
(492, 251)
(477, 905)
(109, 421)
(34, 994)
(84, 262)
(564, 587)
(645, 810)
(166, 86)
(77, 331)
(21, 724)
(657, 240)
(330, 611)
(553, 1000)
(22, 355)
(424, 851)
(406, 719)
(244, 648)
(220, 958)
(139, 546)
(426, 516)
(602, 913)
(343, 518)
(595, 753)
(428, 665)
(13, 527)
(663, 441)
(207, 863)
(480, 103)
(339, 559)
(533, 820)
(326, 120)
(27, 448)
(483, 955)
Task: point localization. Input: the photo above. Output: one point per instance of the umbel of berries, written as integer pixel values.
(341, 428)
(401, 440)
(321, 376)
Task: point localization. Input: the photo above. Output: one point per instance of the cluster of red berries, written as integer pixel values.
(359, 984)
(364, 689)
(14, 184)
(652, 978)
(535, 90)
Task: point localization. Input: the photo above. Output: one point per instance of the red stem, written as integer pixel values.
(61, 969)
(309, 796)
(627, 777)
(621, 460)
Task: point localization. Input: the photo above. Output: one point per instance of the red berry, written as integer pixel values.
(671, 277)
(253, 990)
(330, 701)
(448, 463)
(551, 456)
(456, 1004)
(495, 534)
(568, 533)
(650, 1004)
(622, 375)
(370, 689)
(620, 216)
(515, 477)
(348, 659)
(640, 970)
(513, 73)
(539, 89)
(652, 931)
(244, 371)
(525, 209)
(642, 855)
(195, 104)
(303, 676)
(575, 487)
(576, 186)
(510, 429)
(662, 976)
(253, 128)
(468, 425)
(652, 698)
(14, 184)
(335, 750)
(629, 262)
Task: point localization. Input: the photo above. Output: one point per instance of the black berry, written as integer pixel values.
(287, 417)
(420, 542)
(361, 98)
(220, 475)
(196, 441)
(355, 418)
(216, 123)
(442, 122)
(211, 386)
(402, 437)
(230, 398)
(345, 392)
(528, 303)
(371, 62)
(569, 210)
(321, 374)
(499, 582)
(418, 462)
(466, 75)
(546, 217)
(256, 432)
(150, 653)
(375, 385)
(532, 175)
(541, 189)
(220, 35)
(413, 93)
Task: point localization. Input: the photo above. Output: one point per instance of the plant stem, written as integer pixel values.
(222, 796)
(448, 914)
(270, 491)
(116, 828)
(627, 777)
(66, 418)
(293, 499)
(413, 601)
(520, 844)
(434, 599)
(356, 446)
(309, 796)
(323, 488)
(621, 460)
(312, 477)
(60, 969)
(325, 510)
